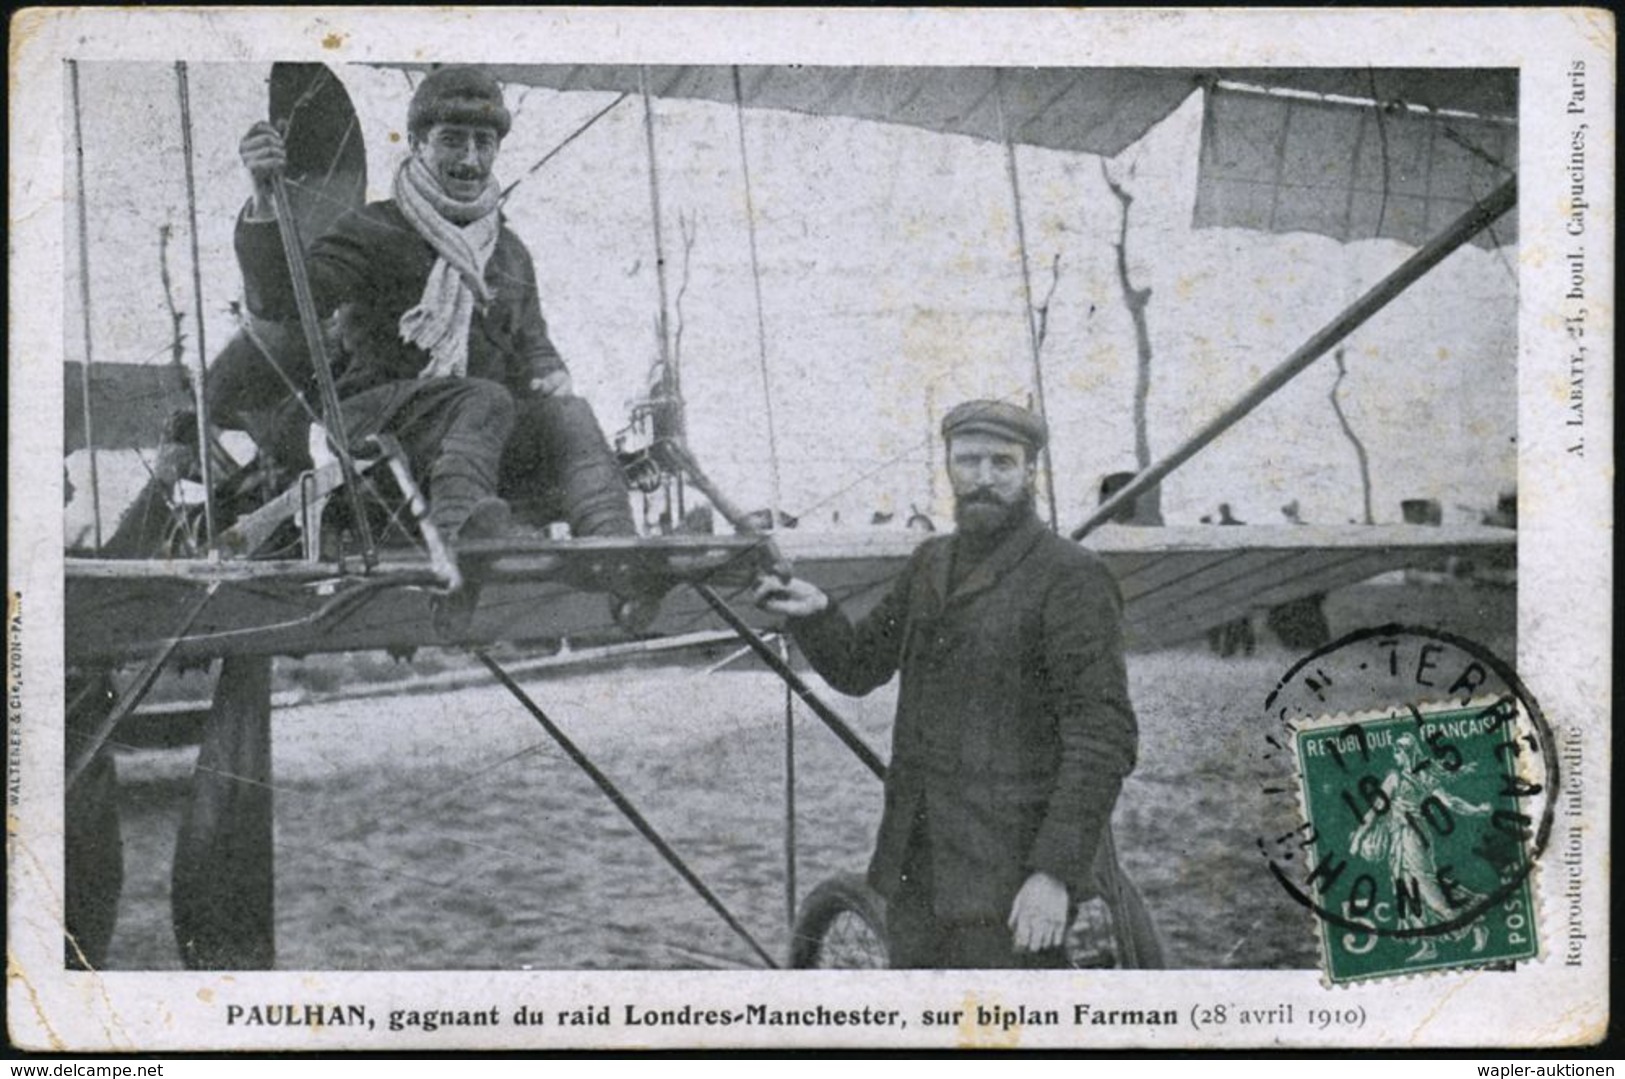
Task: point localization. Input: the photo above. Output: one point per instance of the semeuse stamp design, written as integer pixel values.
(1420, 772)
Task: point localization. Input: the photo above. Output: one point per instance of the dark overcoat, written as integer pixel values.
(374, 264)
(1014, 728)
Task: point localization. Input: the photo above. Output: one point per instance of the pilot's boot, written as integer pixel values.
(594, 499)
(558, 446)
(463, 504)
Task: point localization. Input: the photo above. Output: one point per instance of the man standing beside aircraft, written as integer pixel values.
(440, 319)
(1014, 729)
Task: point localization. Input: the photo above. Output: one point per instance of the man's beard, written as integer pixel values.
(983, 513)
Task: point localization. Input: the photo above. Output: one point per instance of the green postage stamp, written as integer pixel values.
(1424, 859)
(1408, 782)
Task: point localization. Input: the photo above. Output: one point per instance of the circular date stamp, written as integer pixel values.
(1408, 779)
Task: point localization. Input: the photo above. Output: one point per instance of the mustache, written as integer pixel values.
(981, 498)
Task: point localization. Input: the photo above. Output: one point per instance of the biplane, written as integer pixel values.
(213, 563)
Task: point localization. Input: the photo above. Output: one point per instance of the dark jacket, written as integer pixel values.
(1014, 729)
(373, 261)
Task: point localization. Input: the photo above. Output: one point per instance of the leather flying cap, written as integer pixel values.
(996, 418)
(458, 95)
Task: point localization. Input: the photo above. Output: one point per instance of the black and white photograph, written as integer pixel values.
(569, 522)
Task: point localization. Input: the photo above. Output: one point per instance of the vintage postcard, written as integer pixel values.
(564, 528)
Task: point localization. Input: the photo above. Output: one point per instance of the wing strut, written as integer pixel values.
(205, 440)
(789, 792)
(333, 416)
(628, 810)
(777, 511)
(670, 362)
(1463, 229)
(849, 737)
(664, 321)
(84, 307)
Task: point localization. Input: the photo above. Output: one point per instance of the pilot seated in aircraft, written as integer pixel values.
(440, 319)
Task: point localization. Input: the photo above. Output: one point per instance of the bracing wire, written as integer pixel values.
(659, 228)
(1027, 291)
(204, 441)
(670, 362)
(761, 320)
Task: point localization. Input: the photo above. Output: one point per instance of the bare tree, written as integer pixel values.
(1136, 300)
(665, 385)
(688, 226)
(177, 318)
(1348, 429)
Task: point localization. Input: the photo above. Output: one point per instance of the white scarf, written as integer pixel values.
(463, 234)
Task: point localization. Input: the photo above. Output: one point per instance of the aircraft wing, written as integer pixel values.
(1087, 110)
(1180, 582)
(123, 610)
(1283, 149)
(1177, 584)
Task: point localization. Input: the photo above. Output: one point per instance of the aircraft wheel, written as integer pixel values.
(842, 926)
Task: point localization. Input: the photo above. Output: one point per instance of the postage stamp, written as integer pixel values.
(1422, 818)
(1438, 865)
(554, 528)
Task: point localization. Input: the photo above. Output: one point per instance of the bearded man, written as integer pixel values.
(1014, 728)
(440, 320)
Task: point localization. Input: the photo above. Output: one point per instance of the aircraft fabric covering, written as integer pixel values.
(1278, 163)
(1094, 110)
(1318, 157)
(131, 402)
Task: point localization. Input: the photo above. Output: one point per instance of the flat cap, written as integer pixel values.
(458, 95)
(996, 418)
